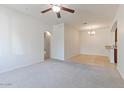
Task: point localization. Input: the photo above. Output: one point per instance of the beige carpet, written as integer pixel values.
(92, 60)
(61, 74)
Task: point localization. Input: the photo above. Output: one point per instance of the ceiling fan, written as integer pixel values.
(57, 8)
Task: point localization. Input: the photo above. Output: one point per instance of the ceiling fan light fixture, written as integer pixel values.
(56, 8)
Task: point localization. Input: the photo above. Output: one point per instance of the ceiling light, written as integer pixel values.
(91, 32)
(56, 8)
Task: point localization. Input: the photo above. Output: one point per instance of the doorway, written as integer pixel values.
(47, 45)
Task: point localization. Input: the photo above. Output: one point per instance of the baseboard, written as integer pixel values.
(71, 56)
(11, 69)
(120, 73)
(93, 54)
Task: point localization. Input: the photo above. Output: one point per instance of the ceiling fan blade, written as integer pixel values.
(46, 10)
(67, 9)
(58, 15)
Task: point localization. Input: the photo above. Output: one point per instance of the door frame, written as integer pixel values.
(116, 48)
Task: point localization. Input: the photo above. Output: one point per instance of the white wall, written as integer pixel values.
(71, 39)
(57, 42)
(120, 26)
(64, 42)
(21, 40)
(95, 45)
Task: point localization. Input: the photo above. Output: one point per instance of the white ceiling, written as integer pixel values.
(96, 15)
